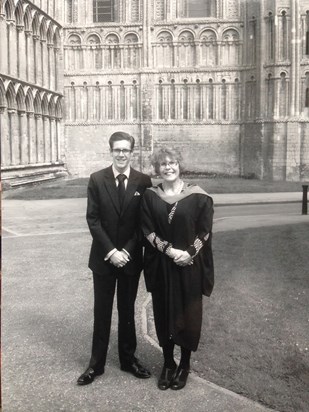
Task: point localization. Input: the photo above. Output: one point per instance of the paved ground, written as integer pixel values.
(47, 315)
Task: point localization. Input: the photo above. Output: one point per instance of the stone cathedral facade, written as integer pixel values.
(225, 80)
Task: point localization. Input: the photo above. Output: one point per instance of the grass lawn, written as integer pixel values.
(255, 336)
(76, 188)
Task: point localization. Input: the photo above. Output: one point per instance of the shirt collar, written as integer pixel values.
(126, 172)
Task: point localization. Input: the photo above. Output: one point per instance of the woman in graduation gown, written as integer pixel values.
(177, 222)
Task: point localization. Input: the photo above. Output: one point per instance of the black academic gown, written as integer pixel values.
(177, 291)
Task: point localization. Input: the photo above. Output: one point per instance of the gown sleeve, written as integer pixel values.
(203, 225)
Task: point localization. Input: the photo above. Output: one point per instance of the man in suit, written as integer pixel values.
(113, 209)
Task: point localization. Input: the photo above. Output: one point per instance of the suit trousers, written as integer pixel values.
(104, 291)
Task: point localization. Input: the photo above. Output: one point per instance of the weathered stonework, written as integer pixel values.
(231, 86)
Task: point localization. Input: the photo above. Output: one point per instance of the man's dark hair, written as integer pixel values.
(117, 136)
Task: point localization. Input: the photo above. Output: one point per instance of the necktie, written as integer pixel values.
(121, 188)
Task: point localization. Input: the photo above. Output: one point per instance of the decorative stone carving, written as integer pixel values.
(232, 8)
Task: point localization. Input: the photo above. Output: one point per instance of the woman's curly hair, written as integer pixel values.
(161, 154)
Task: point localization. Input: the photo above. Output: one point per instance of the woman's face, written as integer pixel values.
(169, 169)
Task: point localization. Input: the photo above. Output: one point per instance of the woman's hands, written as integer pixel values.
(181, 257)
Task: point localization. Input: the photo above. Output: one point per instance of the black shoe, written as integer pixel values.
(166, 377)
(180, 379)
(137, 370)
(88, 376)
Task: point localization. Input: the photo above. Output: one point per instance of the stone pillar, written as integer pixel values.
(44, 64)
(23, 138)
(53, 146)
(36, 58)
(146, 105)
(147, 32)
(3, 51)
(58, 140)
(122, 60)
(295, 58)
(20, 51)
(293, 151)
(5, 147)
(29, 56)
(45, 145)
(14, 137)
(57, 67)
(38, 138)
(39, 62)
(49, 75)
(31, 134)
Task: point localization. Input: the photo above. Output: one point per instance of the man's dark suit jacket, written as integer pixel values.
(112, 227)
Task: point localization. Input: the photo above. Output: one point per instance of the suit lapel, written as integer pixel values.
(131, 189)
(112, 188)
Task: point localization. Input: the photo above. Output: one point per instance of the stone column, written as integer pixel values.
(23, 139)
(56, 67)
(14, 137)
(29, 56)
(197, 48)
(293, 151)
(31, 133)
(13, 45)
(5, 148)
(49, 75)
(44, 63)
(53, 145)
(20, 52)
(36, 58)
(58, 141)
(3, 51)
(38, 138)
(45, 145)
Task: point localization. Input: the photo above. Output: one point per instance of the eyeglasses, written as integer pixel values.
(170, 164)
(124, 151)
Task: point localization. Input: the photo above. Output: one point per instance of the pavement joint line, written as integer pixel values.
(192, 374)
(43, 234)
(15, 234)
(42, 217)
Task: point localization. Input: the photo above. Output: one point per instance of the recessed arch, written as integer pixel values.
(112, 38)
(20, 99)
(186, 36)
(51, 106)
(36, 24)
(43, 29)
(9, 9)
(131, 38)
(19, 14)
(74, 40)
(58, 111)
(28, 19)
(45, 104)
(37, 103)
(56, 38)
(2, 94)
(93, 39)
(165, 36)
(208, 36)
(29, 101)
(50, 33)
(11, 96)
(230, 34)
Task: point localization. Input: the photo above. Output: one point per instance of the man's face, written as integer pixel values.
(121, 153)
